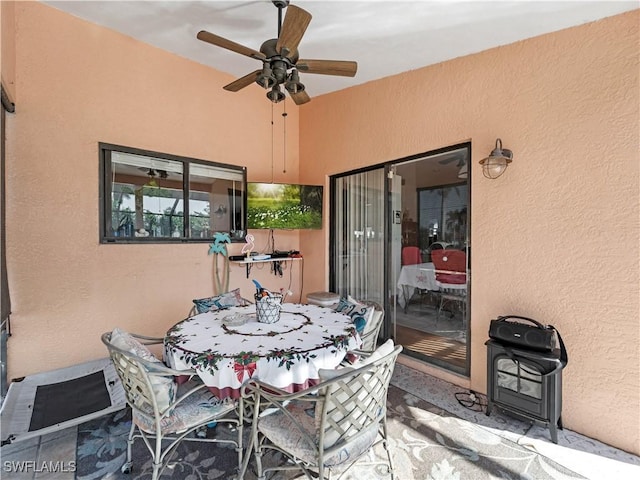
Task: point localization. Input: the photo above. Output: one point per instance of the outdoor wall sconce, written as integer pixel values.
(496, 163)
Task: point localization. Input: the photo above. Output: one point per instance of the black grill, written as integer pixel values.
(525, 382)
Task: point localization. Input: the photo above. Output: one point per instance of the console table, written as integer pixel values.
(249, 262)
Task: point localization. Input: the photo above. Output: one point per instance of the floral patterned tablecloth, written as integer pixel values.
(286, 354)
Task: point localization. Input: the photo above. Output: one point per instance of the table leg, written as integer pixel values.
(245, 461)
(405, 297)
(246, 407)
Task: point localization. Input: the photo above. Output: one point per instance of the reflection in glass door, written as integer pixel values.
(428, 257)
(358, 233)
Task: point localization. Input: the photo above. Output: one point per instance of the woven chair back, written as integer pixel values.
(355, 405)
(136, 376)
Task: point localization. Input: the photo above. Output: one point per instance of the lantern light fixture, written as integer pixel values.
(496, 163)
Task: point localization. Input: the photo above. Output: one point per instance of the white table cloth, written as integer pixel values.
(422, 276)
(286, 354)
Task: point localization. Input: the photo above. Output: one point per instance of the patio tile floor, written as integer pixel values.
(591, 458)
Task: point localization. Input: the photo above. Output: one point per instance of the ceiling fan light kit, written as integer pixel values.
(293, 84)
(280, 59)
(276, 95)
(266, 78)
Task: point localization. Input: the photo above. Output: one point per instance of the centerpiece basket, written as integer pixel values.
(268, 306)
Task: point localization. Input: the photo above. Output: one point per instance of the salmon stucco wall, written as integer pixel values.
(7, 47)
(92, 85)
(556, 237)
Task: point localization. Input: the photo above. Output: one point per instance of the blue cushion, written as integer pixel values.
(219, 302)
(360, 314)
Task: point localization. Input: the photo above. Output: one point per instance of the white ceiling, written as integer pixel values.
(384, 37)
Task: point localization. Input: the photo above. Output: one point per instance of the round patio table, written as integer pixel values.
(286, 354)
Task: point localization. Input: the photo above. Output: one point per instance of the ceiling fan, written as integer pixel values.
(279, 57)
(461, 165)
(452, 158)
(152, 173)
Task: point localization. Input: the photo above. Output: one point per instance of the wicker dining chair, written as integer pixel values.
(451, 272)
(163, 415)
(327, 428)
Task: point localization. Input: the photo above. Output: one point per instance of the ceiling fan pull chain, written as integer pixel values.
(284, 129)
(272, 134)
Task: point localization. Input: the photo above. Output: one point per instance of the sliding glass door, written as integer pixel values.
(386, 223)
(430, 194)
(358, 235)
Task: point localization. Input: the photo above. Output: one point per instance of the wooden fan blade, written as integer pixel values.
(229, 45)
(300, 97)
(294, 25)
(328, 67)
(242, 82)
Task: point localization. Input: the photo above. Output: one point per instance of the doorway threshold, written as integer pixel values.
(435, 371)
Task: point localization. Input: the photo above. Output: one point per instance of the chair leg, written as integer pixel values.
(404, 296)
(156, 470)
(127, 467)
(258, 456)
(385, 445)
(239, 449)
(158, 458)
(440, 303)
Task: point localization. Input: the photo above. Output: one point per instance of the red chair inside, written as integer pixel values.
(411, 256)
(450, 266)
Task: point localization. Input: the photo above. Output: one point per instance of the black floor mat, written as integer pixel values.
(59, 402)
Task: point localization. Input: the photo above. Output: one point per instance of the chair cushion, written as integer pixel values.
(287, 433)
(360, 313)
(199, 408)
(124, 341)
(219, 302)
(383, 350)
(164, 388)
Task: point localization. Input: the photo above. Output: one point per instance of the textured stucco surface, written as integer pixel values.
(7, 47)
(556, 238)
(79, 84)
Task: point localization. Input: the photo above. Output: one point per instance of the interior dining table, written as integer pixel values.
(421, 276)
(228, 347)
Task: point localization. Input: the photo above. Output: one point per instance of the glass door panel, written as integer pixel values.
(358, 231)
(385, 222)
(429, 199)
